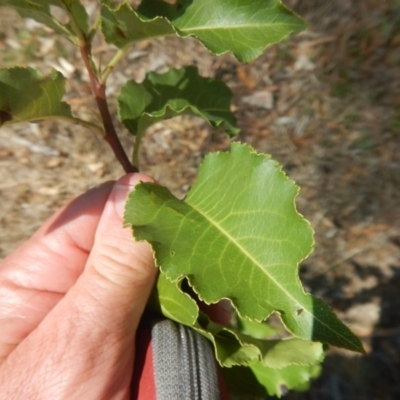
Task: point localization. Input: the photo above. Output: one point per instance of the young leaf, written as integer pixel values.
(124, 26)
(237, 235)
(243, 27)
(27, 95)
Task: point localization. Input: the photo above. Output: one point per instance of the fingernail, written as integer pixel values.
(120, 196)
(121, 192)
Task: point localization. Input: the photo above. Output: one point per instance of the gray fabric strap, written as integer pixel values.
(184, 363)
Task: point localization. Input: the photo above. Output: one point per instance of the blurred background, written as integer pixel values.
(324, 103)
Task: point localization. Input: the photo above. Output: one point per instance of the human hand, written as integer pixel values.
(70, 302)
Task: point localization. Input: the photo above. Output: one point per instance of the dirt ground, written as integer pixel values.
(325, 104)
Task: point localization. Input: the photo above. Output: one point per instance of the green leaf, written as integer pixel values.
(124, 26)
(243, 27)
(176, 92)
(237, 235)
(40, 12)
(77, 13)
(27, 95)
(174, 304)
(257, 381)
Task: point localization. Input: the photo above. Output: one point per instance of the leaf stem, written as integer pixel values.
(86, 124)
(113, 62)
(99, 91)
(136, 147)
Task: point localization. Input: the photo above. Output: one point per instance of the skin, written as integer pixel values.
(71, 299)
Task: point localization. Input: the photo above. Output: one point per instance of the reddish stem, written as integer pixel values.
(99, 92)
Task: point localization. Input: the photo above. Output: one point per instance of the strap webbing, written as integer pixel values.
(184, 363)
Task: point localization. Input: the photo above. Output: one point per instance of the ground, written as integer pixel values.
(325, 104)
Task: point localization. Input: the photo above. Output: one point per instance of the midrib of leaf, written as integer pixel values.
(257, 263)
(242, 249)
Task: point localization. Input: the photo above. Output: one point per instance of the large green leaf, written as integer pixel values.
(243, 27)
(124, 26)
(237, 235)
(40, 12)
(27, 95)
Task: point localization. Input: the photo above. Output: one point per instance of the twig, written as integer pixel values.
(99, 91)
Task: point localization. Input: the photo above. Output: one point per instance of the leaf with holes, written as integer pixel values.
(176, 92)
(237, 235)
(242, 27)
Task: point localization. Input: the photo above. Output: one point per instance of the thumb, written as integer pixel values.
(120, 273)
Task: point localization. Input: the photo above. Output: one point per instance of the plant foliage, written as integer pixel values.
(42, 100)
(237, 234)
